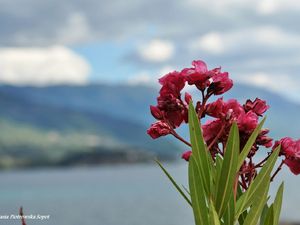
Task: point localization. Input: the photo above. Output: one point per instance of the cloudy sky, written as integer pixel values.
(136, 41)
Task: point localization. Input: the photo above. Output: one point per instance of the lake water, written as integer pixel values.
(109, 195)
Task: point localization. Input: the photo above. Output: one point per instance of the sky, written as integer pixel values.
(137, 41)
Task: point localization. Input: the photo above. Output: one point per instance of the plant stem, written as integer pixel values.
(180, 138)
(262, 162)
(244, 182)
(204, 100)
(277, 171)
(175, 134)
(217, 137)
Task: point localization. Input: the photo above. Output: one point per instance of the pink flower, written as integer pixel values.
(159, 129)
(211, 129)
(175, 118)
(258, 106)
(293, 164)
(224, 110)
(221, 83)
(289, 147)
(198, 75)
(200, 66)
(216, 108)
(291, 150)
(170, 107)
(233, 109)
(172, 83)
(247, 122)
(186, 155)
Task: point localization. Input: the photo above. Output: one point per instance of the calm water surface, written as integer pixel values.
(109, 195)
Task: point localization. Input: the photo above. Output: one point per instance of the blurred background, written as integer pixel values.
(77, 78)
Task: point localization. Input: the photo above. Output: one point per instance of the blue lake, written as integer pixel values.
(110, 195)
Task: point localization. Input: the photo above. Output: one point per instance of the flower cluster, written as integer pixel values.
(172, 110)
(225, 113)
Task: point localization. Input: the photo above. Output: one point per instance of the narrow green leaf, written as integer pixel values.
(229, 213)
(174, 183)
(216, 176)
(269, 219)
(249, 144)
(219, 162)
(264, 215)
(243, 215)
(199, 149)
(213, 215)
(278, 204)
(248, 197)
(198, 195)
(259, 203)
(228, 172)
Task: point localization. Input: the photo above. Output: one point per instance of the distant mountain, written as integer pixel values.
(121, 101)
(100, 123)
(50, 124)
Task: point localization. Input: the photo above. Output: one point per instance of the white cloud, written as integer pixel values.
(264, 7)
(157, 50)
(283, 84)
(76, 30)
(242, 40)
(143, 77)
(211, 43)
(165, 70)
(42, 66)
(267, 7)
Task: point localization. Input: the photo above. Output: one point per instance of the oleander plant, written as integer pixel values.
(227, 184)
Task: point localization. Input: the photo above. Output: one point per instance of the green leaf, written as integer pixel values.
(228, 171)
(243, 216)
(198, 195)
(259, 203)
(269, 219)
(264, 215)
(216, 175)
(199, 149)
(213, 215)
(218, 163)
(174, 183)
(229, 213)
(248, 197)
(249, 144)
(278, 204)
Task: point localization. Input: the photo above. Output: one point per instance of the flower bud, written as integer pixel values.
(156, 113)
(186, 155)
(187, 97)
(159, 129)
